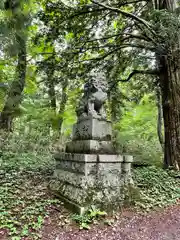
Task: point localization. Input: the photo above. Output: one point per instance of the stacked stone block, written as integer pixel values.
(89, 172)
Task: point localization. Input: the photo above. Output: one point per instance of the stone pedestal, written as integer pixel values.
(89, 172)
(90, 146)
(92, 129)
(82, 180)
(91, 135)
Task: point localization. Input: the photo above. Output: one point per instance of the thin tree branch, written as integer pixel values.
(126, 45)
(145, 35)
(134, 72)
(129, 15)
(98, 58)
(86, 12)
(96, 23)
(129, 35)
(131, 2)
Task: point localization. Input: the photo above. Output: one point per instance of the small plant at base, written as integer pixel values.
(92, 215)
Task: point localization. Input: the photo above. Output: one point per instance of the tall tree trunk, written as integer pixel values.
(52, 97)
(169, 66)
(14, 97)
(160, 118)
(64, 98)
(51, 91)
(115, 96)
(170, 88)
(53, 104)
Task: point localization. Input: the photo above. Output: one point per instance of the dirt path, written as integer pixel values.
(161, 225)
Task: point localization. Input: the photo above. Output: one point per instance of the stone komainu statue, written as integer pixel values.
(93, 99)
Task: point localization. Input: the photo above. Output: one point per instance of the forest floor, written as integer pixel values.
(28, 211)
(159, 225)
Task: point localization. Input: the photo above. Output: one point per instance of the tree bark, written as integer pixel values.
(64, 98)
(169, 66)
(170, 87)
(14, 97)
(160, 118)
(51, 91)
(53, 104)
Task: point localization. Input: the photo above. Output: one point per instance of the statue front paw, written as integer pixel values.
(92, 113)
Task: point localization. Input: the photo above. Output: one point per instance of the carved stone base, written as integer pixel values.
(92, 129)
(90, 146)
(82, 180)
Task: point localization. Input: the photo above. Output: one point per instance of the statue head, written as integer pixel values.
(96, 82)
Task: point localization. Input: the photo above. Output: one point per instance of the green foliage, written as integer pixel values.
(157, 187)
(31, 85)
(166, 25)
(24, 176)
(136, 132)
(90, 217)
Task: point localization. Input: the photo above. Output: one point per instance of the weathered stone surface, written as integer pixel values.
(109, 180)
(76, 157)
(68, 203)
(110, 158)
(128, 158)
(75, 179)
(109, 168)
(85, 197)
(93, 99)
(90, 146)
(92, 129)
(72, 192)
(126, 165)
(106, 169)
(86, 179)
(89, 158)
(126, 169)
(100, 174)
(77, 167)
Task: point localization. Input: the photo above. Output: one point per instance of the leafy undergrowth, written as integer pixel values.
(24, 200)
(156, 187)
